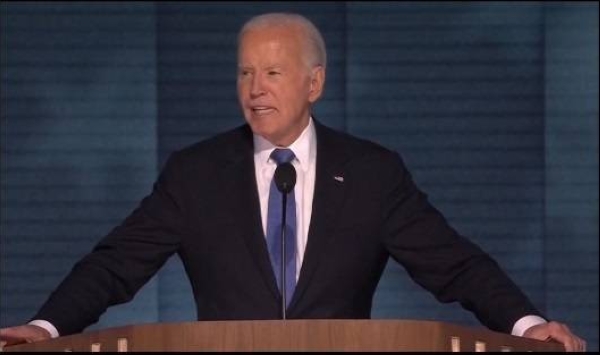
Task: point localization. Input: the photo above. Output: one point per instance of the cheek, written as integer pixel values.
(294, 98)
(240, 89)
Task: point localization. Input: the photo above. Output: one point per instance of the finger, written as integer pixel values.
(572, 342)
(580, 344)
(9, 340)
(569, 341)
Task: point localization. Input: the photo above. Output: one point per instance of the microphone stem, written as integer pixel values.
(283, 258)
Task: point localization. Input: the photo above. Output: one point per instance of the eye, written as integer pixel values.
(244, 72)
(273, 72)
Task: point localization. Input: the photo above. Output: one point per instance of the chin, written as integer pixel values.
(261, 129)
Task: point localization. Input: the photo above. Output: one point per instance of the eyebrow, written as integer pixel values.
(269, 67)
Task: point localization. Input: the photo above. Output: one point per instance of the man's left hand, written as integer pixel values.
(558, 332)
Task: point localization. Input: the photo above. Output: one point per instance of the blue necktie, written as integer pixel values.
(274, 229)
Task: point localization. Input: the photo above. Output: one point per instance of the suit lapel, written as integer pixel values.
(328, 199)
(242, 192)
(329, 194)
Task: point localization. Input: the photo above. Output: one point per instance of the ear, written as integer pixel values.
(317, 82)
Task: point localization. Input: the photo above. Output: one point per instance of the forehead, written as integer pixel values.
(271, 38)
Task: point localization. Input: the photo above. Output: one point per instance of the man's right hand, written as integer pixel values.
(22, 334)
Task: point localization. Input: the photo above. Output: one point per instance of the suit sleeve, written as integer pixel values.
(443, 262)
(123, 261)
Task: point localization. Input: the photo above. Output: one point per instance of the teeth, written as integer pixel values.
(261, 109)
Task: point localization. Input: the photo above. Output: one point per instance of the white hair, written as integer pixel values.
(317, 54)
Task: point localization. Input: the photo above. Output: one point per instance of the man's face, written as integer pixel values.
(275, 85)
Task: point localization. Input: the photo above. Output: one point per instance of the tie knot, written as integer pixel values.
(281, 156)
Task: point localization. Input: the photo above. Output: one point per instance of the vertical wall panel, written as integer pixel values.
(78, 142)
(571, 130)
(458, 91)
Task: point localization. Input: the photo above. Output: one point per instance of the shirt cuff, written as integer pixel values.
(46, 325)
(525, 323)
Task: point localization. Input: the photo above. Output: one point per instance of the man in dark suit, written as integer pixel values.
(353, 206)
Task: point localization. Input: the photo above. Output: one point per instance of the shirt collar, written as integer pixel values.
(303, 146)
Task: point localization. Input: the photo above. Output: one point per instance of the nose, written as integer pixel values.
(256, 86)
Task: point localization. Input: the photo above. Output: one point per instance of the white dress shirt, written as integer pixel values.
(305, 150)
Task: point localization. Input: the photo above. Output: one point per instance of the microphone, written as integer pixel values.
(285, 177)
(285, 180)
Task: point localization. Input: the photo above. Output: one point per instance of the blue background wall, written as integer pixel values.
(494, 107)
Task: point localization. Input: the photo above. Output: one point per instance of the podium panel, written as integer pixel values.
(291, 335)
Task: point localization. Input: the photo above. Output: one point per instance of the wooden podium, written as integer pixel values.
(291, 335)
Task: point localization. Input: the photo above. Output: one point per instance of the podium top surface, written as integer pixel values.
(291, 335)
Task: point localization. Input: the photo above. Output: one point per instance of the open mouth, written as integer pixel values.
(262, 110)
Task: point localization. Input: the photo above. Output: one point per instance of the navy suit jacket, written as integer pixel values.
(205, 207)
